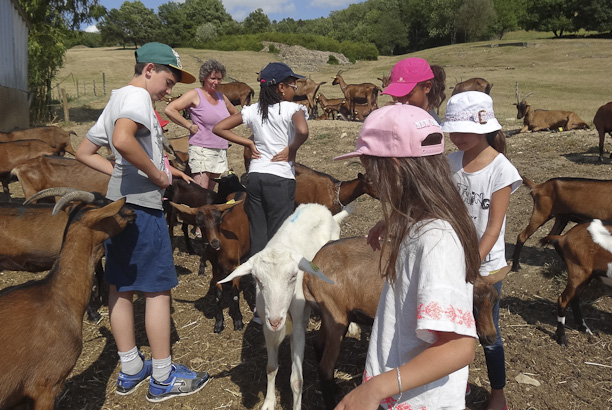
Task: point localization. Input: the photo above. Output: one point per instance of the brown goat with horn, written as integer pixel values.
(539, 120)
(41, 321)
(364, 93)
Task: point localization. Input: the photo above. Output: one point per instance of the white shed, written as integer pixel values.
(13, 67)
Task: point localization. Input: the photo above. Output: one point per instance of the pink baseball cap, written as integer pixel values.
(398, 130)
(406, 74)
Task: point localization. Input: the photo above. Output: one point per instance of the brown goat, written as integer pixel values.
(353, 297)
(361, 111)
(603, 124)
(539, 120)
(385, 80)
(238, 93)
(330, 106)
(365, 93)
(565, 199)
(320, 188)
(41, 321)
(14, 153)
(586, 250)
(307, 90)
(473, 84)
(48, 172)
(226, 227)
(54, 136)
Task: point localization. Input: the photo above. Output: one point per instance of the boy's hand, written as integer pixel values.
(161, 179)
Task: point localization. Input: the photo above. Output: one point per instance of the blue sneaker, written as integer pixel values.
(126, 383)
(181, 382)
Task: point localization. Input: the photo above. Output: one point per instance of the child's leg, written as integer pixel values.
(121, 312)
(279, 202)
(496, 366)
(254, 209)
(157, 323)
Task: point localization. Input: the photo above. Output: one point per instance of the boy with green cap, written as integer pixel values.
(140, 258)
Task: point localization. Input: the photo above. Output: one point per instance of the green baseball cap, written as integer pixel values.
(159, 53)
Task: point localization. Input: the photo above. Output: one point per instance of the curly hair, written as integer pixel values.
(208, 67)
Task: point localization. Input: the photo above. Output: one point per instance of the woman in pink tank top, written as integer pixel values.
(207, 106)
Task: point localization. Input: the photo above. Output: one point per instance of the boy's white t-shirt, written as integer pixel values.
(272, 136)
(128, 181)
(476, 189)
(429, 295)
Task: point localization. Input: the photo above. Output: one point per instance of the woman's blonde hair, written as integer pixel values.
(415, 189)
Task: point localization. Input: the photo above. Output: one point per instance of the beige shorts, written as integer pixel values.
(209, 160)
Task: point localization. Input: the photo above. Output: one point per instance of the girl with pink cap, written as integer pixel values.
(423, 337)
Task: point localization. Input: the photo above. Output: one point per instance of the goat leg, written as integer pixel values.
(219, 309)
(235, 305)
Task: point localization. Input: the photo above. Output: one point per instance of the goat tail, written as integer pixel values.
(339, 217)
(530, 184)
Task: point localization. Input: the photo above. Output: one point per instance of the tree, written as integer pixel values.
(206, 32)
(474, 18)
(508, 14)
(132, 23)
(549, 15)
(257, 22)
(593, 15)
(49, 23)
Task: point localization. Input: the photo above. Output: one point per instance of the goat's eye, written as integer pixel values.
(293, 278)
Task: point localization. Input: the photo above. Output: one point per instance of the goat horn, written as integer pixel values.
(45, 193)
(76, 195)
(497, 276)
(525, 97)
(518, 98)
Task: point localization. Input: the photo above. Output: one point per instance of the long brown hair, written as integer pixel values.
(497, 139)
(415, 189)
(436, 95)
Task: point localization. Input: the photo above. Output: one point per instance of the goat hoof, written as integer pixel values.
(562, 340)
(516, 267)
(238, 325)
(94, 317)
(218, 327)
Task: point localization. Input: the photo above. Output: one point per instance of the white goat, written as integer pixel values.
(279, 270)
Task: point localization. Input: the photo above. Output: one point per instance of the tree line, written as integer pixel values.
(393, 26)
(360, 31)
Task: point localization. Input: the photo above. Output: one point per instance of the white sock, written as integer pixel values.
(162, 368)
(131, 363)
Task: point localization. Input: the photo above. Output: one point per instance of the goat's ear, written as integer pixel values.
(241, 270)
(498, 276)
(313, 269)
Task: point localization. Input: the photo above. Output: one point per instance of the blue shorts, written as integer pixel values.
(140, 257)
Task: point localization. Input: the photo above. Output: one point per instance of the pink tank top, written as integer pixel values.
(206, 116)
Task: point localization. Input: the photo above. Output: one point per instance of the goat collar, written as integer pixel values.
(338, 196)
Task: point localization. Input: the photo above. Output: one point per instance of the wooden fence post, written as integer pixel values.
(77, 84)
(65, 105)
(94, 87)
(104, 82)
(59, 93)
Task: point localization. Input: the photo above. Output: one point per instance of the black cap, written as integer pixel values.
(274, 73)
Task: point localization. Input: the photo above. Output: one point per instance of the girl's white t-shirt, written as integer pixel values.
(430, 295)
(272, 136)
(476, 189)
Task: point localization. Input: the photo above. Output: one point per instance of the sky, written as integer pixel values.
(275, 9)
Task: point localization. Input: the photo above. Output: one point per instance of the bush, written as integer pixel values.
(272, 49)
(333, 60)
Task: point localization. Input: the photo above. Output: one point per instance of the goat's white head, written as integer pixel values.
(277, 272)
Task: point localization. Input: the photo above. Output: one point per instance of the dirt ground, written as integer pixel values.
(575, 377)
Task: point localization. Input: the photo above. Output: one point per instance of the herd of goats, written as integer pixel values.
(65, 219)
